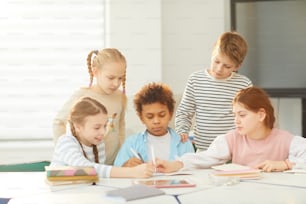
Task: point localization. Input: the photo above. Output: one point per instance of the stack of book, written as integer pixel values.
(61, 175)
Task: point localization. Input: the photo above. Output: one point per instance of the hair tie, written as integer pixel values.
(94, 54)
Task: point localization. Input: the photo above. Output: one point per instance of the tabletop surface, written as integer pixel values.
(278, 188)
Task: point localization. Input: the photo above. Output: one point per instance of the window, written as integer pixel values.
(43, 50)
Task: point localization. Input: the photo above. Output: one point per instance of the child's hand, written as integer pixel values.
(184, 137)
(144, 170)
(269, 166)
(168, 166)
(162, 166)
(132, 162)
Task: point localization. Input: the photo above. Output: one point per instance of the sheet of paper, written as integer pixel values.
(298, 171)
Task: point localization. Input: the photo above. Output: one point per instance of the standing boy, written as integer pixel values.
(209, 93)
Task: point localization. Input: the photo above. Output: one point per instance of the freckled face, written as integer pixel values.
(156, 117)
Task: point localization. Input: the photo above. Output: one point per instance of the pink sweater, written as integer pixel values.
(249, 152)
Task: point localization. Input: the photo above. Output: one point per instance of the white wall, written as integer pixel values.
(189, 30)
(160, 38)
(134, 28)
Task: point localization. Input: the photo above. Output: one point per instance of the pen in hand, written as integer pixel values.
(137, 155)
(140, 157)
(153, 156)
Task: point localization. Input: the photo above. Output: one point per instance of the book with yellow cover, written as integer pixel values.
(72, 178)
(68, 183)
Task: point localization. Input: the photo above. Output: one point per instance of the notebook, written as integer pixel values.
(236, 170)
(135, 192)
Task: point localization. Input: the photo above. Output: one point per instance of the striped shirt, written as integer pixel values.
(208, 102)
(68, 152)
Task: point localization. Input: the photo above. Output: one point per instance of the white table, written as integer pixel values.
(273, 188)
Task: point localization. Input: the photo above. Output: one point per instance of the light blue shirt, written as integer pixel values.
(139, 143)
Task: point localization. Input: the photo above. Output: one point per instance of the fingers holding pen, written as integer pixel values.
(132, 162)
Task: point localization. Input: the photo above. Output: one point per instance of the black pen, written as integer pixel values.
(137, 154)
(140, 157)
